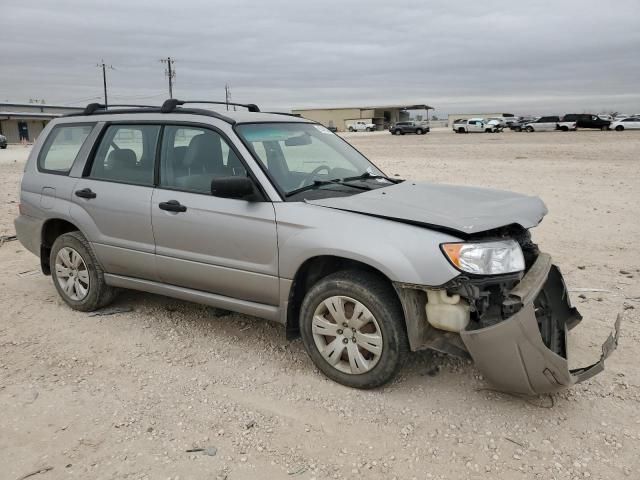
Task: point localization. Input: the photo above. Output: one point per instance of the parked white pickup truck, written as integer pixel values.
(360, 126)
(472, 125)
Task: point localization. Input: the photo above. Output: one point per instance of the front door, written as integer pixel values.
(217, 245)
(112, 203)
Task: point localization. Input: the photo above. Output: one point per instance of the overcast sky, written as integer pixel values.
(457, 55)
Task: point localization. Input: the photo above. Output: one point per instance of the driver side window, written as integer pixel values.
(192, 157)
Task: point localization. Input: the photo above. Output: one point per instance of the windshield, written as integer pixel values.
(303, 154)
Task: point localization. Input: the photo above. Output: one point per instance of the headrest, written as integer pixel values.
(121, 158)
(203, 148)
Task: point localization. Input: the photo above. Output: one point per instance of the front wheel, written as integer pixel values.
(351, 129)
(419, 131)
(619, 128)
(529, 129)
(352, 327)
(603, 128)
(77, 275)
(397, 132)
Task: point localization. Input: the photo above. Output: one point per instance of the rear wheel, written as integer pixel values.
(604, 127)
(419, 131)
(352, 327)
(461, 130)
(619, 128)
(351, 129)
(77, 275)
(564, 128)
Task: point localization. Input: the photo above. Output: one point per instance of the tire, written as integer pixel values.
(604, 128)
(98, 293)
(3, 147)
(351, 129)
(619, 128)
(397, 132)
(369, 129)
(564, 128)
(353, 288)
(529, 129)
(461, 130)
(488, 130)
(419, 131)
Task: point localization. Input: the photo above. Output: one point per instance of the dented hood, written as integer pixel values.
(462, 209)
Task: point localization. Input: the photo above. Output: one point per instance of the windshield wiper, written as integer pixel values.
(367, 175)
(319, 183)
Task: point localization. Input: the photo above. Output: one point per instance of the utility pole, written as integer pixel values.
(104, 79)
(170, 72)
(227, 95)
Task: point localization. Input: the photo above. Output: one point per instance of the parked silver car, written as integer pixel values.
(275, 216)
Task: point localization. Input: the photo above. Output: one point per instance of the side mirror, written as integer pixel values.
(231, 187)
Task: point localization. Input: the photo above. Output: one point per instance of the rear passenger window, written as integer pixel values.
(61, 147)
(126, 154)
(191, 157)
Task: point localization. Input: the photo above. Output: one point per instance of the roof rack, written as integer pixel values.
(171, 104)
(286, 113)
(94, 107)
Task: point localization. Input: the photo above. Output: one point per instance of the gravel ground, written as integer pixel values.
(125, 396)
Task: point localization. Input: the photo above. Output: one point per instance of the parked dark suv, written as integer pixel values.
(400, 128)
(587, 120)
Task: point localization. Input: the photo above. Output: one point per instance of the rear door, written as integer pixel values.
(218, 245)
(112, 201)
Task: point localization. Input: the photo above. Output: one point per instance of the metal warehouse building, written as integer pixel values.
(382, 116)
(24, 121)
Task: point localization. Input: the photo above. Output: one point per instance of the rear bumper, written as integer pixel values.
(512, 355)
(28, 230)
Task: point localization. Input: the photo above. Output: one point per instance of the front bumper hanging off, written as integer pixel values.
(512, 355)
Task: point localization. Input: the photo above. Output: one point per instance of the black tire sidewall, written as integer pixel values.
(370, 291)
(97, 286)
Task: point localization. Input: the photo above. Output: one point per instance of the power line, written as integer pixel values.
(104, 79)
(170, 72)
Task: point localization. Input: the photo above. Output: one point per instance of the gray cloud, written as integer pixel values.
(459, 56)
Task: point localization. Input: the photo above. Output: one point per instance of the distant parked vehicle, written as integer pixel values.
(473, 125)
(498, 124)
(520, 124)
(3, 142)
(361, 126)
(400, 128)
(631, 123)
(605, 116)
(587, 120)
(549, 124)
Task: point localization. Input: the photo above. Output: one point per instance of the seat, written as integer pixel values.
(121, 165)
(202, 161)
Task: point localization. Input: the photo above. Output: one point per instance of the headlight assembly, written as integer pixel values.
(485, 258)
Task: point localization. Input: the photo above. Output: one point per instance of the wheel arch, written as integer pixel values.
(52, 228)
(309, 273)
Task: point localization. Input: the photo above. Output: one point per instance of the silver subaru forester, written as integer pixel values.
(275, 216)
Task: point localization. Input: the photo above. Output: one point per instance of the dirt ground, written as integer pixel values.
(125, 396)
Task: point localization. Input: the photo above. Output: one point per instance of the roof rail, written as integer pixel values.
(286, 113)
(171, 104)
(94, 107)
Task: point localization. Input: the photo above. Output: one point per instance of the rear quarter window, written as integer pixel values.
(61, 147)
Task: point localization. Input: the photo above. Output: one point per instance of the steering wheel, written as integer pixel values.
(309, 177)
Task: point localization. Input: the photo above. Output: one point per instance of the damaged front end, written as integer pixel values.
(516, 328)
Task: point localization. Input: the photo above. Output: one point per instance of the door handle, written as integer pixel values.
(172, 206)
(86, 193)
